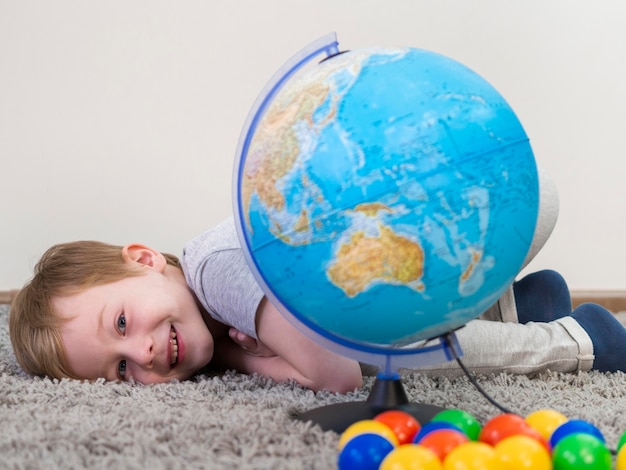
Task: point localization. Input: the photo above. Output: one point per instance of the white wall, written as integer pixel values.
(119, 119)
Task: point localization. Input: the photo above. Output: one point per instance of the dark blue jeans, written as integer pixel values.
(542, 297)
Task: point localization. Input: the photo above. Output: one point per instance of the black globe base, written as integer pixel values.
(386, 394)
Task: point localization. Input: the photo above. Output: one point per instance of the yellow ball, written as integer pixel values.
(367, 426)
(620, 461)
(472, 455)
(522, 453)
(411, 457)
(545, 422)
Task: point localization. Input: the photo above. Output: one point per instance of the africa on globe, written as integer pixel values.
(387, 196)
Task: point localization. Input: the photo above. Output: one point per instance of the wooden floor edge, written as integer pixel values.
(614, 300)
(6, 296)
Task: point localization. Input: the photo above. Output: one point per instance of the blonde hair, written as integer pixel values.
(64, 269)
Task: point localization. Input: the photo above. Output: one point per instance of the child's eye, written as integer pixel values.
(121, 369)
(121, 323)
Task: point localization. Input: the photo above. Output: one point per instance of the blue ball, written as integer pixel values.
(575, 426)
(434, 426)
(364, 452)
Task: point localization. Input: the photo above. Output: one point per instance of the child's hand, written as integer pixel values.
(249, 344)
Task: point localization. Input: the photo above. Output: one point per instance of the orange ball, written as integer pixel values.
(442, 441)
(404, 425)
(506, 425)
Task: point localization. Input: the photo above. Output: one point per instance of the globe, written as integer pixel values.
(384, 196)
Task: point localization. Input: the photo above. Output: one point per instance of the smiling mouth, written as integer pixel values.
(173, 347)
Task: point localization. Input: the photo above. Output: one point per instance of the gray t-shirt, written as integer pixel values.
(216, 270)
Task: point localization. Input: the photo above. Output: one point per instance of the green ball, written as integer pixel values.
(621, 442)
(581, 452)
(461, 419)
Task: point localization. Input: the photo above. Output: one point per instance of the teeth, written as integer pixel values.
(173, 347)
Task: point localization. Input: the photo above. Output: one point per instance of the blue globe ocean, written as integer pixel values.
(386, 196)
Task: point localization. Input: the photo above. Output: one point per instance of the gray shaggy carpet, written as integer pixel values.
(238, 421)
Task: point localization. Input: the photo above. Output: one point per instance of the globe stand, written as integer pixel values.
(387, 394)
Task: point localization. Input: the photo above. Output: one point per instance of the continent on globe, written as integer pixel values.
(276, 148)
(388, 258)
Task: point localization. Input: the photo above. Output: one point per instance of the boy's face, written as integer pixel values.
(147, 327)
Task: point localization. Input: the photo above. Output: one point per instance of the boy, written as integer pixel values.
(95, 310)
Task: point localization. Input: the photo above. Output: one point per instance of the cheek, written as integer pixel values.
(84, 354)
(199, 353)
(203, 348)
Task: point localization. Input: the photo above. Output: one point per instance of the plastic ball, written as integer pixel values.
(580, 452)
(523, 453)
(462, 419)
(442, 441)
(506, 425)
(404, 425)
(574, 426)
(620, 460)
(472, 456)
(621, 442)
(364, 452)
(545, 422)
(434, 426)
(411, 457)
(367, 426)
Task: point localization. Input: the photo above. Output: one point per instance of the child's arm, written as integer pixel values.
(297, 357)
(250, 344)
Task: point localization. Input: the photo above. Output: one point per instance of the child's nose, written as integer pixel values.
(144, 351)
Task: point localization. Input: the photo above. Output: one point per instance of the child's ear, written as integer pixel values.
(144, 256)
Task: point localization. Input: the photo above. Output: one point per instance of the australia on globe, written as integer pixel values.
(387, 195)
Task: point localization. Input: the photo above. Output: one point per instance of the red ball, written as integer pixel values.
(506, 425)
(442, 441)
(403, 425)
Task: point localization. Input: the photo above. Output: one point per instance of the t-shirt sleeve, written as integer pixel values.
(216, 270)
